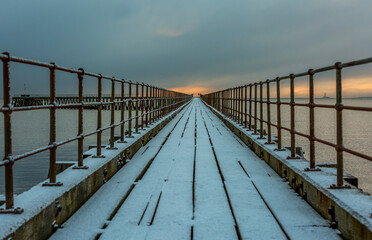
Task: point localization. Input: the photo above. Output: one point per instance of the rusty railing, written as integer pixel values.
(237, 102)
(154, 103)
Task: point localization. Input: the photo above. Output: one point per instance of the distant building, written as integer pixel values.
(325, 96)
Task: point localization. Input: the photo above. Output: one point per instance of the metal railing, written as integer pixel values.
(237, 103)
(154, 103)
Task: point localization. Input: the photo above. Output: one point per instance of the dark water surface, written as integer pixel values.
(31, 130)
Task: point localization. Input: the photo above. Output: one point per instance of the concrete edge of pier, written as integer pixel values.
(47, 208)
(349, 210)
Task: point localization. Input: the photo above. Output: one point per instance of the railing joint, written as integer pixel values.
(338, 66)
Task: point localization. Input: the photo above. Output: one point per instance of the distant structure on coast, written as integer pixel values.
(325, 96)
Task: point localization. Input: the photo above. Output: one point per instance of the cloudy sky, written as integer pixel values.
(193, 46)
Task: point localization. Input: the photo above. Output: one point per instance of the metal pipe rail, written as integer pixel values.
(230, 102)
(154, 102)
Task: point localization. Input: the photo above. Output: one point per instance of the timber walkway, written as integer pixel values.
(196, 180)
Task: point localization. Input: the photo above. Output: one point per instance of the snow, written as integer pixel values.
(38, 197)
(294, 214)
(160, 205)
(356, 202)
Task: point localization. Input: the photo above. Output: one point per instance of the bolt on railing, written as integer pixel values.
(157, 103)
(228, 98)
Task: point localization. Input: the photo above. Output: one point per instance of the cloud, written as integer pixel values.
(176, 44)
(170, 32)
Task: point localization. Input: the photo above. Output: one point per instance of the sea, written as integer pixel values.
(30, 130)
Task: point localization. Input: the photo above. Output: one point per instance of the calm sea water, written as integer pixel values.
(31, 130)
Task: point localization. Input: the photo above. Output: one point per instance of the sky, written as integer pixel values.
(191, 46)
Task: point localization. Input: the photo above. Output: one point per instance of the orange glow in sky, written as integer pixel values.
(352, 87)
(193, 89)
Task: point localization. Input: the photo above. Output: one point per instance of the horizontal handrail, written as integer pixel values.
(149, 103)
(241, 105)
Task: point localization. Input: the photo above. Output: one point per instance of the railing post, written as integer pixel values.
(223, 102)
(130, 111)
(238, 104)
(137, 108)
(147, 105)
(228, 102)
(112, 117)
(339, 145)
(236, 114)
(122, 112)
(255, 109)
(231, 115)
(80, 123)
(236, 107)
(241, 105)
(293, 135)
(311, 123)
(162, 102)
(219, 101)
(158, 104)
(279, 120)
(268, 109)
(210, 96)
(9, 194)
(261, 111)
(52, 130)
(233, 103)
(250, 108)
(150, 104)
(99, 120)
(215, 100)
(245, 106)
(142, 104)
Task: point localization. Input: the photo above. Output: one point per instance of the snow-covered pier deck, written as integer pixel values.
(196, 180)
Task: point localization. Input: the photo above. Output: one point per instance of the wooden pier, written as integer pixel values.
(197, 180)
